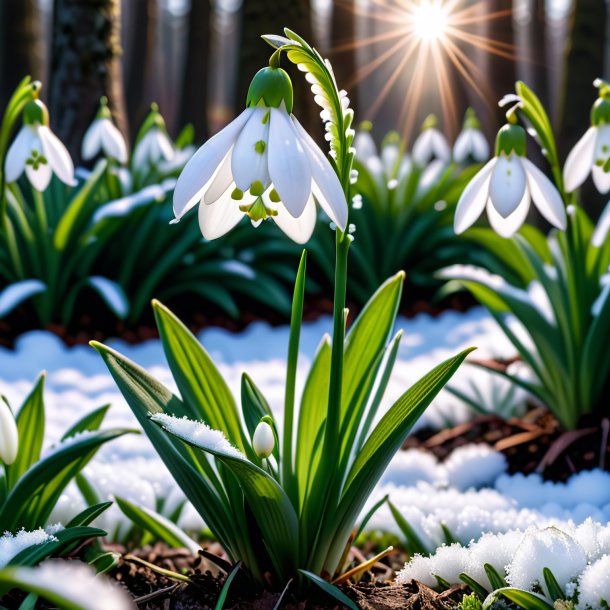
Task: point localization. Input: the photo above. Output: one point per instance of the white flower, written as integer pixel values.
(471, 143)
(263, 440)
(592, 152)
(263, 164)
(505, 186)
(9, 437)
(430, 144)
(104, 137)
(153, 144)
(38, 151)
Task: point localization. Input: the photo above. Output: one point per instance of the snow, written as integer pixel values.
(11, 545)
(594, 585)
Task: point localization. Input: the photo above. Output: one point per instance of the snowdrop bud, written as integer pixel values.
(263, 440)
(9, 438)
(271, 86)
(511, 138)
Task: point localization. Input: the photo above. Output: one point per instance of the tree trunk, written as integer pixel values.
(584, 61)
(85, 65)
(139, 37)
(270, 17)
(195, 85)
(342, 51)
(21, 46)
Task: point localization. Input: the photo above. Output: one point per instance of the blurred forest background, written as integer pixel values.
(196, 57)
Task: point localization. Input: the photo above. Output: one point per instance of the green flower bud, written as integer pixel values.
(430, 122)
(600, 112)
(511, 138)
(35, 112)
(471, 121)
(103, 111)
(270, 87)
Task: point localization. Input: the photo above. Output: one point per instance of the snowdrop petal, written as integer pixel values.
(580, 160)
(221, 181)
(196, 174)
(440, 146)
(602, 228)
(431, 175)
(601, 179)
(365, 146)
(480, 146)
(40, 177)
(141, 154)
(247, 163)
(507, 226)
(473, 199)
(19, 152)
(422, 149)
(163, 147)
(57, 155)
(218, 218)
(325, 185)
(113, 142)
(92, 140)
(545, 196)
(508, 183)
(289, 166)
(463, 146)
(298, 229)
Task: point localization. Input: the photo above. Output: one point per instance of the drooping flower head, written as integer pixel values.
(38, 151)
(153, 144)
(471, 143)
(505, 187)
(430, 144)
(103, 137)
(591, 154)
(9, 437)
(264, 165)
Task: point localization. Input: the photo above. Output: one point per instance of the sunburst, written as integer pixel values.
(429, 39)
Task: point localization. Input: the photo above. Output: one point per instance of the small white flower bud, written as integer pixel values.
(263, 440)
(357, 202)
(9, 437)
(353, 177)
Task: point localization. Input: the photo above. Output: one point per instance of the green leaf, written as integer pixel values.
(158, 525)
(369, 515)
(203, 390)
(479, 589)
(92, 421)
(553, 587)
(89, 514)
(220, 602)
(30, 425)
(254, 405)
(271, 507)
(525, 599)
(330, 589)
(414, 543)
(495, 580)
(34, 495)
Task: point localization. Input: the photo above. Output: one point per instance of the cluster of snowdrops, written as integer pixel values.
(286, 501)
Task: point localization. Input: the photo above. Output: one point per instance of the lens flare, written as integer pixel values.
(430, 20)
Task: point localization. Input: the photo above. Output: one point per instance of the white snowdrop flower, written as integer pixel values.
(505, 187)
(548, 548)
(9, 437)
(591, 154)
(471, 143)
(594, 585)
(263, 165)
(103, 137)
(263, 440)
(38, 151)
(364, 144)
(430, 144)
(153, 145)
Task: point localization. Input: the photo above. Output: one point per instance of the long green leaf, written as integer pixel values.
(330, 589)
(525, 599)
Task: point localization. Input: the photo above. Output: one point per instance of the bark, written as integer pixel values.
(270, 17)
(21, 48)
(195, 85)
(584, 61)
(85, 65)
(139, 43)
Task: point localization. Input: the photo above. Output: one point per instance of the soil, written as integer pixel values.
(100, 324)
(533, 443)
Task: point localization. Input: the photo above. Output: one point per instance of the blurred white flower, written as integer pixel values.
(471, 143)
(104, 137)
(38, 151)
(430, 144)
(505, 186)
(153, 145)
(264, 165)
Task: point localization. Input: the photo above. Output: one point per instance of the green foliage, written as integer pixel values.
(403, 220)
(470, 602)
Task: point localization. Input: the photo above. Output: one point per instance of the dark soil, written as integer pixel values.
(100, 324)
(152, 591)
(534, 443)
